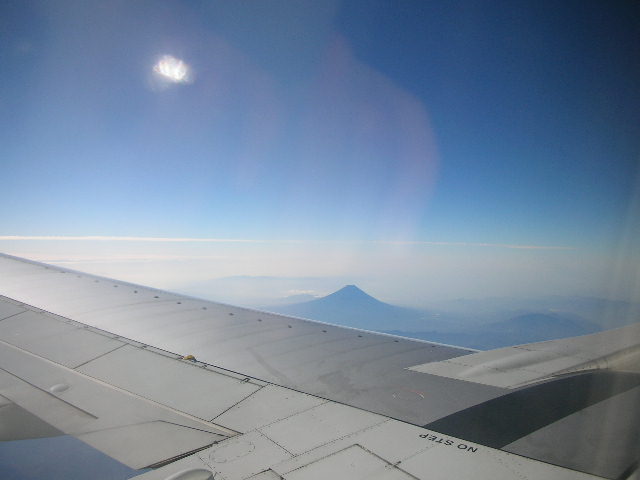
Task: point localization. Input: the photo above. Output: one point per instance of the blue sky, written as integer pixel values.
(409, 146)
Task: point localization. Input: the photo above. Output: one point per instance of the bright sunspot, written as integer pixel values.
(173, 69)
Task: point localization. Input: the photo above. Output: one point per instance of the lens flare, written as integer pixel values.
(172, 69)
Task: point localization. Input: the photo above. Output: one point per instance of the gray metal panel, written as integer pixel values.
(193, 467)
(53, 339)
(131, 429)
(138, 447)
(267, 475)
(202, 393)
(16, 423)
(353, 463)
(244, 456)
(7, 308)
(391, 440)
(317, 426)
(61, 415)
(516, 366)
(461, 461)
(389, 450)
(266, 406)
(606, 446)
(75, 403)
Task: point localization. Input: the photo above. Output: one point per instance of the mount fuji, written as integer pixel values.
(352, 307)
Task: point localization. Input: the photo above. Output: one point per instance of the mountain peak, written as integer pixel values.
(350, 288)
(351, 292)
(355, 308)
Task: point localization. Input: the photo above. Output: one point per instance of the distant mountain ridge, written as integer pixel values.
(350, 306)
(604, 313)
(292, 299)
(528, 328)
(536, 324)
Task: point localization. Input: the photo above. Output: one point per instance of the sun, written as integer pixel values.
(172, 69)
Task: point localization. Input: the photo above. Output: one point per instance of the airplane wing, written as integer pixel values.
(202, 390)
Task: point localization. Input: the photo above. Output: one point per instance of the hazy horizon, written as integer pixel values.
(255, 273)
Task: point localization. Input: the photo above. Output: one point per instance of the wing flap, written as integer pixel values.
(43, 398)
(62, 342)
(16, 423)
(147, 444)
(201, 392)
(518, 366)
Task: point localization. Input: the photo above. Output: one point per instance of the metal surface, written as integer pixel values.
(66, 344)
(7, 309)
(16, 423)
(309, 399)
(392, 440)
(354, 462)
(41, 396)
(317, 426)
(461, 461)
(387, 450)
(240, 457)
(147, 444)
(266, 406)
(198, 392)
(266, 475)
(599, 424)
(525, 364)
(363, 369)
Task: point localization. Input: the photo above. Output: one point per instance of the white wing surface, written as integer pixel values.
(196, 389)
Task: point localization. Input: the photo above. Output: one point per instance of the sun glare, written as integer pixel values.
(172, 69)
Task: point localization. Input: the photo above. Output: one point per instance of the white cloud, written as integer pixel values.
(474, 244)
(106, 238)
(103, 238)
